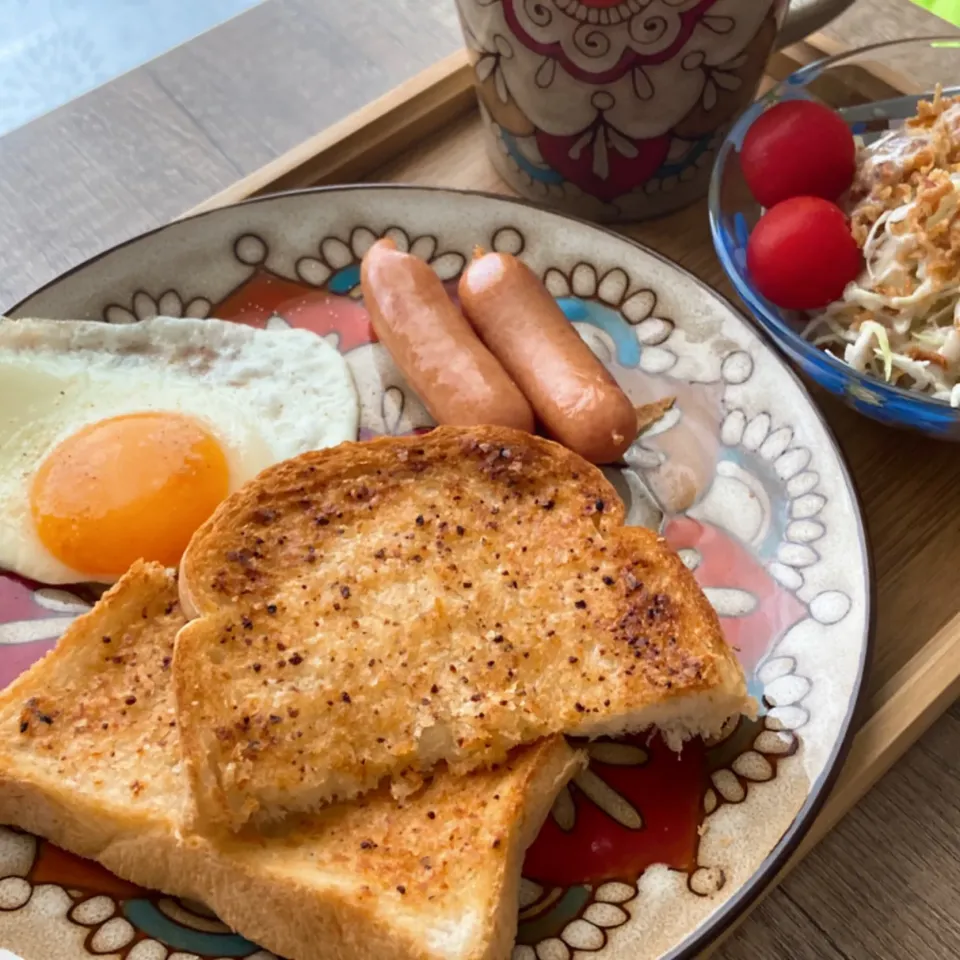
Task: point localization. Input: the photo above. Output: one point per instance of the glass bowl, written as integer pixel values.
(866, 87)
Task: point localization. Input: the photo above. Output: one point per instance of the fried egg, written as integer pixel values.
(118, 441)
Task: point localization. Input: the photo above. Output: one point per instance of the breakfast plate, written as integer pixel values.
(647, 854)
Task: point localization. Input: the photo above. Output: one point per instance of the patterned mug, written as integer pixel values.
(613, 109)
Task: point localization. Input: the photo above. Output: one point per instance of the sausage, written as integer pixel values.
(572, 393)
(459, 381)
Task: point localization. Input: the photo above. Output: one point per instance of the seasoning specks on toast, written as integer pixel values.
(528, 616)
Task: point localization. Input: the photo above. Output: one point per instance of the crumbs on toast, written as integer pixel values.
(444, 597)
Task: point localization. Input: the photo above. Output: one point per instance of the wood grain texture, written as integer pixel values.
(873, 21)
(897, 713)
(780, 930)
(360, 143)
(883, 885)
(146, 147)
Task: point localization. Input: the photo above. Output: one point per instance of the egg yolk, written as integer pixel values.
(131, 487)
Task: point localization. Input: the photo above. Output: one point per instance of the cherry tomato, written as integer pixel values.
(798, 148)
(801, 254)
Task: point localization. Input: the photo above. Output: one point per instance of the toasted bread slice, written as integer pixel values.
(89, 757)
(369, 611)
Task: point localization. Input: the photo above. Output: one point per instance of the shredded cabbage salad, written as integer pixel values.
(900, 319)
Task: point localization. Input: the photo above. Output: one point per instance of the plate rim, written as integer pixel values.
(712, 930)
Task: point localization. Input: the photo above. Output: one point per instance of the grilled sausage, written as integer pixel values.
(570, 390)
(459, 381)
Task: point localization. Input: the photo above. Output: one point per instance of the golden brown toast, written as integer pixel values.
(89, 758)
(371, 610)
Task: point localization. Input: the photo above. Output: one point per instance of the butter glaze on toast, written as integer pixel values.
(371, 610)
(89, 758)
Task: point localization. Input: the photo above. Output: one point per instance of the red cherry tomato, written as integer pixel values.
(801, 254)
(798, 149)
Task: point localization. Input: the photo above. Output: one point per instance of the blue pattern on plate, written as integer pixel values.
(610, 321)
(146, 916)
(343, 281)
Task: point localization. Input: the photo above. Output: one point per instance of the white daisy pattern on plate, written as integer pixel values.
(336, 256)
(764, 517)
(169, 303)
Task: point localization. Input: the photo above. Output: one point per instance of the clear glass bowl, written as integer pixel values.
(858, 84)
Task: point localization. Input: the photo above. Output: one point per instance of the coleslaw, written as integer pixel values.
(900, 319)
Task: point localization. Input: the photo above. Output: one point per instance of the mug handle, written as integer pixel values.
(807, 16)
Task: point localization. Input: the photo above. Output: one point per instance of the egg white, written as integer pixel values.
(266, 395)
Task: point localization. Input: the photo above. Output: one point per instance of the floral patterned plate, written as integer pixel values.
(647, 854)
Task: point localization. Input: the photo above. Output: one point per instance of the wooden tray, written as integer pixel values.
(427, 131)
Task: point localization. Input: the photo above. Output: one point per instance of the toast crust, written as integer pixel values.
(369, 611)
(325, 885)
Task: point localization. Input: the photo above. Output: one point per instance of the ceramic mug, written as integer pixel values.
(614, 109)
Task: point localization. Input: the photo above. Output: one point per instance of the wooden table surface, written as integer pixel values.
(145, 148)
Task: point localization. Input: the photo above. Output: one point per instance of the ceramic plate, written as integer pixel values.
(646, 855)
